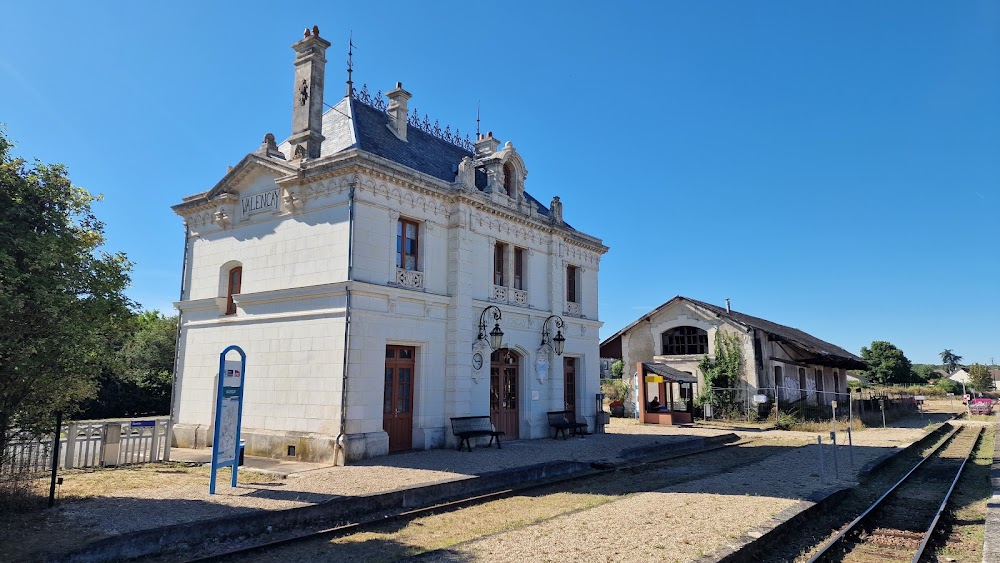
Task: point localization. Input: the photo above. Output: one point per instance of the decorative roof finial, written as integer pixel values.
(478, 102)
(350, 65)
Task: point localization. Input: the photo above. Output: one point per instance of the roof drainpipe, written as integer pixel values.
(728, 310)
(340, 456)
(177, 346)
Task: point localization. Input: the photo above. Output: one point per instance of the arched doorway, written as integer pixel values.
(504, 371)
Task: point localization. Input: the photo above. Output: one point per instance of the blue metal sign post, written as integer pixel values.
(228, 414)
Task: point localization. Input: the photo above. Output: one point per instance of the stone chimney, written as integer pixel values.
(486, 145)
(397, 110)
(307, 96)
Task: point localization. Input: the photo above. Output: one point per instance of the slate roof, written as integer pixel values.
(354, 124)
(824, 352)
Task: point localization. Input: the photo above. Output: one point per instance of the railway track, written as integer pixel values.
(898, 525)
(365, 524)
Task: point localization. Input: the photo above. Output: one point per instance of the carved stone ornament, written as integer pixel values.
(557, 210)
(221, 218)
(268, 147)
(466, 178)
(300, 152)
(293, 200)
(542, 364)
(479, 360)
(303, 93)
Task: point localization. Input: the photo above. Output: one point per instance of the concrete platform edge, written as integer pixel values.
(268, 525)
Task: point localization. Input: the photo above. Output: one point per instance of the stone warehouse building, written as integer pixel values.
(682, 331)
(362, 264)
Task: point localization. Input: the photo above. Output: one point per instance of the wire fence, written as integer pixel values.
(752, 404)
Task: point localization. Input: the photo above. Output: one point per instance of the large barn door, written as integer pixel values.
(504, 367)
(397, 404)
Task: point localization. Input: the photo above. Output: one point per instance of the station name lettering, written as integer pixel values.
(266, 201)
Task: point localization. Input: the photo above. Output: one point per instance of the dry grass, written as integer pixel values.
(31, 531)
(80, 484)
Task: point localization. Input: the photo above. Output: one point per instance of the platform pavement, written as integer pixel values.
(277, 467)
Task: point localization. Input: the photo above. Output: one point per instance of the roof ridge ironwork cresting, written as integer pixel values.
(379, 102)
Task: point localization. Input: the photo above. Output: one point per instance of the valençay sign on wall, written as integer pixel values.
(256, 203)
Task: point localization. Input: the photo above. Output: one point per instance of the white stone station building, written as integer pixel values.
(362, 264)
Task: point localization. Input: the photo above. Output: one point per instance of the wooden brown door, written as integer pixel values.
(397, 404)
(569, 384)
(504, 367)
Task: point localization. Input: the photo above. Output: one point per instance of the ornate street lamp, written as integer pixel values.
(496, 335)
(558, 341)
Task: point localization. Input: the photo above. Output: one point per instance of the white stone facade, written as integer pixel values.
(320, 288)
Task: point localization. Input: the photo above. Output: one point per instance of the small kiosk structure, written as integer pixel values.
(666, 395)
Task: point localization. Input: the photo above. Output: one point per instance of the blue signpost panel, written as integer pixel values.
(228, 413)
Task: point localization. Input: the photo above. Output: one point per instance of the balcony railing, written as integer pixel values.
(573, 308)
(509, 295)
(409, 278)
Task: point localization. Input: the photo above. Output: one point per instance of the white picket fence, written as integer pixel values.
(91, 443)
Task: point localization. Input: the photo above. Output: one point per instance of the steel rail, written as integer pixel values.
(855, 523)
(459, 503)
(947, 497)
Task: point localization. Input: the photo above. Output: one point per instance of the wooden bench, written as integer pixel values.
(565, 420)
(465, 427)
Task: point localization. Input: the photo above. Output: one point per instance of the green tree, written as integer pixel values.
(723, 372)
(137, 380)
(887, 364)
(980, 378)
(617, 367)
(925, 372)
(950, 360)
(61, 297)
(948, 385)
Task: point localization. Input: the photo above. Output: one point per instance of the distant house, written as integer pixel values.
(960, 376)
(778, 359)
(853, 377)
(939, 373)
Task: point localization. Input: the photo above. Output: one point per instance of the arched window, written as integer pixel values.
(684, 340)
(233, 283)
(508, 180)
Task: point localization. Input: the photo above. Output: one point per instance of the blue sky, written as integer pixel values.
(829, 166)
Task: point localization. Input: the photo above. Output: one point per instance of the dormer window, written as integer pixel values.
(508, 180)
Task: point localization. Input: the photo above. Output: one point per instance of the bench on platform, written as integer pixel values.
(566, 420)
(465, 427)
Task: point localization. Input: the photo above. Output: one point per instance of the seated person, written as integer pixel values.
(653, 405)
